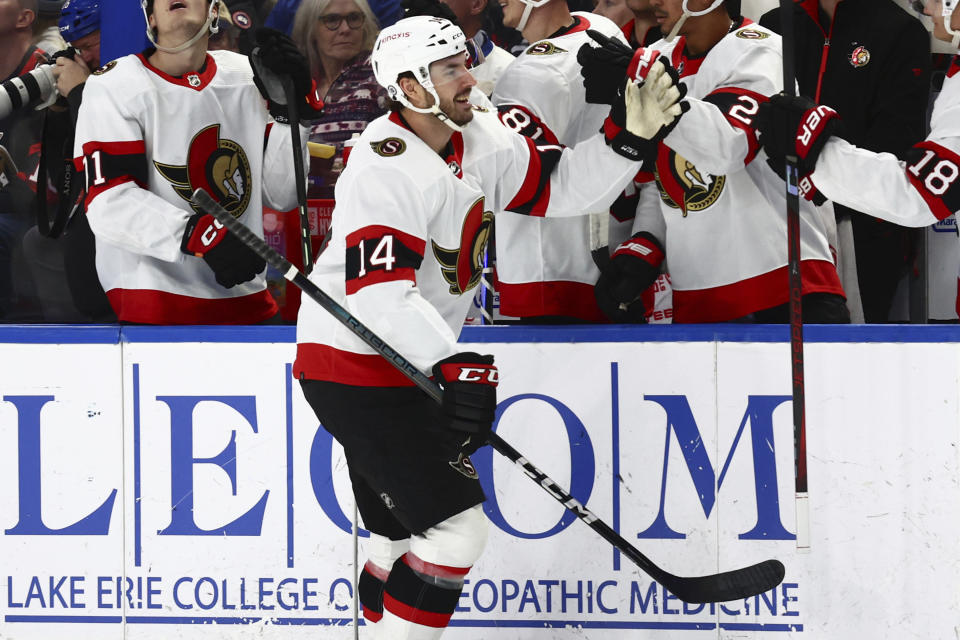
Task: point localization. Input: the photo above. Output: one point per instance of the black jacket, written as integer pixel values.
(872, 65)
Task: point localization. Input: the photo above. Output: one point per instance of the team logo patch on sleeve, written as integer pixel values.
(218, 166)
(752, 34)
(544, 48)
(860, 57)
(102, 70)
(389, 147)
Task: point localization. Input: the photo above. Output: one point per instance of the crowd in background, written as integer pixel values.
(47, 269)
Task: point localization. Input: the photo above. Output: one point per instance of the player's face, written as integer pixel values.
(512, 10)
(344, 41)
(177, 20)
(615, 10)
(934, 9)
(667, 12)
(639, 6)
(452, 82)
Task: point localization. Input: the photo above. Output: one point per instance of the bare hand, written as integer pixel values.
(70, 73)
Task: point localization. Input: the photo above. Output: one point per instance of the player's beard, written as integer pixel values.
(455, 110)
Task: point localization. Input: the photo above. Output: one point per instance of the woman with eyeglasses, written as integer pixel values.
(337, 37)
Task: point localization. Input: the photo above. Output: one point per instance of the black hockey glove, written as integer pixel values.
(232, 261)
(469, 381)
(796, 125)
(633, 267)
(276, 57)
(603, 67)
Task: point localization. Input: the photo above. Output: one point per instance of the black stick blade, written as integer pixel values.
(726, 586)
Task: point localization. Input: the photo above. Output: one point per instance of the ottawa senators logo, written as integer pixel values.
(102, 70)
(860, 57)
(752, 34)
(463, 266)
(544, 48)
(686, 187)
(389, 147)
(219, 167)
(464, 465)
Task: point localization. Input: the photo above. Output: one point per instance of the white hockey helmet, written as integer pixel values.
(211, 26)
(411, 45)
(687, 14)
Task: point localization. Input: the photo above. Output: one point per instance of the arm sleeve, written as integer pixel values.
(385, 247)
(915, 193)
(279, 186)
(121, 210)
(535, 102)
(717, 134)
(555, 181)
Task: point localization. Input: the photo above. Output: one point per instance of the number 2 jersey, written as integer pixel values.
(916, 192)
(715, 203)
(147, 141)
(409, 229)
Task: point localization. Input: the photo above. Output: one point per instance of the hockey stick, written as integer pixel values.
(299, 173)
(796, 297)
(721, 587)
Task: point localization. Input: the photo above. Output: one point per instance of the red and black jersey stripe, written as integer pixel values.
(740, 106)
(934, 171)
(534, 195)
(381, 254)
(109, 164)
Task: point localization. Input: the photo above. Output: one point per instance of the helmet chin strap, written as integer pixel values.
(433, 109)
(686, 14)
(212, 24)
(527, 10)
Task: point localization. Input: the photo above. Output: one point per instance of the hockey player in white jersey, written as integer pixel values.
(914, 192)
(414, 207)
(157, 125)
(544, 266)
(714, 211)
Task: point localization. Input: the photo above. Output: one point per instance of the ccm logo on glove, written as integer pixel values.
(470, 374)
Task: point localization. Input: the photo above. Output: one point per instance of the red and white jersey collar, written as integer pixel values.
(192, 80)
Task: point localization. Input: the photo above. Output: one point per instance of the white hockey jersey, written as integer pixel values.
(404, 256)
(913, 193)
(544, 267)
(148, 140)
(716, 205)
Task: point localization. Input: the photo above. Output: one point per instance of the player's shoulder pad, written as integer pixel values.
(230, 62)
(122, 78)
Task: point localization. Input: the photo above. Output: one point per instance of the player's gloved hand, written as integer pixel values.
(644, 114)
(796, 125)
(632, 268)
(469, 381)
(603, 67)
(232, 261)
(274, 58)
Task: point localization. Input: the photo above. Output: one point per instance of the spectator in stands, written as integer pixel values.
(337, 37)
(869, 60)
(19, 135)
